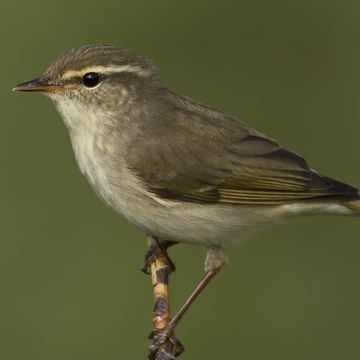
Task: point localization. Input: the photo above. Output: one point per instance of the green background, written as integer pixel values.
(69, 281)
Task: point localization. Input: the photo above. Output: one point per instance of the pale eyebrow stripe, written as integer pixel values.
(106, 70)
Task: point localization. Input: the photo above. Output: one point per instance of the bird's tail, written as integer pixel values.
(353, 205)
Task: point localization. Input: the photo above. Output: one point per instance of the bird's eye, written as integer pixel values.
(91, 79)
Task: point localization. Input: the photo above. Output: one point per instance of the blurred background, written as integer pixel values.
(69, 280)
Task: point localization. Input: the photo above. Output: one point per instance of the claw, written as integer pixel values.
(154, 251)
(150, 256)
(159, 340)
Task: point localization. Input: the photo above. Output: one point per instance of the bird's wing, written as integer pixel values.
(211, 157)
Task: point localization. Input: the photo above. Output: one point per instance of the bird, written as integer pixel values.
(179, 170)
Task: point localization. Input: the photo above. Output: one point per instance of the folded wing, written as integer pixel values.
(202, 155)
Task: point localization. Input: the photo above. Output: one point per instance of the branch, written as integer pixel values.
(160, 271)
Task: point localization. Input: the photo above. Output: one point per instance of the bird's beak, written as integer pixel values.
(40, 84)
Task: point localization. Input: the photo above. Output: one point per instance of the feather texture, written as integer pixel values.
(194, 153)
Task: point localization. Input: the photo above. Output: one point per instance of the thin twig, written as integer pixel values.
(160, 271)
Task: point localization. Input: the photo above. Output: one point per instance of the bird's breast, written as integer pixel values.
(89, 153)
(106, 171)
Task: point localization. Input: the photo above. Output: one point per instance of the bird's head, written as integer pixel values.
(92, 79)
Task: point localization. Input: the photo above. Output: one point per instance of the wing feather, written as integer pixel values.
(198, 154)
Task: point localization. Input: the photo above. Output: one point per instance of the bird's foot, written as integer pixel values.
(161, 341)
(156, 249)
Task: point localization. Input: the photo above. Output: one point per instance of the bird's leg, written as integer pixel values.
(215, 260)
(161, 268)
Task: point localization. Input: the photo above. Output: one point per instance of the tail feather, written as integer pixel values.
(353, 205)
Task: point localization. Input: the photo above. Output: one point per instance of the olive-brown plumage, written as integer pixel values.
(208, 156)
